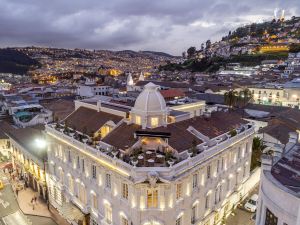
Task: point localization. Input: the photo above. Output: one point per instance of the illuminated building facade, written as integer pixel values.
(148, 169)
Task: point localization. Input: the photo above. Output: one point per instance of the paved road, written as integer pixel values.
(241, 216)
(10, 213)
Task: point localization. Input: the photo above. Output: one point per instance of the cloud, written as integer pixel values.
(163, 25)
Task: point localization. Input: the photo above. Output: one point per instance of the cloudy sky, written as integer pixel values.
(161, 25)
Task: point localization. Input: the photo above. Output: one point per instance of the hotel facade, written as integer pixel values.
(148, 164)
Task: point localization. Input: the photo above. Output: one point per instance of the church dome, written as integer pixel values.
(150, 100)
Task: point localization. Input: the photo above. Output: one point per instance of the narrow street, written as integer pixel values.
(242, 216)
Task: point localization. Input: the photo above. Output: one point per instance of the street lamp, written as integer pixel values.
(41, 143)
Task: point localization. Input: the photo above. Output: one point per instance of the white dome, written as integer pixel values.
(150, 100)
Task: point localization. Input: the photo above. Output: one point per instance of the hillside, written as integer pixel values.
(13, 61)
(248, 45)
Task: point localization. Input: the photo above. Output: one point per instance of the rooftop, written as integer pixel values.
(287, 170)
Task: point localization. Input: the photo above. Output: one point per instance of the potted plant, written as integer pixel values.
(233, 133)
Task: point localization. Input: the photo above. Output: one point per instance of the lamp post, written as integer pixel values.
(42, 144)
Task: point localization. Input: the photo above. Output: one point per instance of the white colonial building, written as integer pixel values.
(148, 164)
(279, 194)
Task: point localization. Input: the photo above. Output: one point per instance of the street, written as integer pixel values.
(241, 216)
(10, 213)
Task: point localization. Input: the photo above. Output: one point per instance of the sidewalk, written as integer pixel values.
(40, 207)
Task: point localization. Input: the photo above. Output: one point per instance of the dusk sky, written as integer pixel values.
(160, 25)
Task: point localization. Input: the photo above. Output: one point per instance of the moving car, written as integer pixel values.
(251, 204)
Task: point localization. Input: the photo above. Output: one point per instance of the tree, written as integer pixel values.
(231, 98)
(191, 52)
(245, 97)
(208, 44)
(257, 149)
(184, 55)
(202, 47)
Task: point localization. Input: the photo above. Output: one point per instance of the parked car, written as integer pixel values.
(251, 204)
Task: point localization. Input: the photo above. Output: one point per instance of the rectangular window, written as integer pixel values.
(108, 181)
(154, 122)
(195, 181)
(244, 171)
(178, 191)
(239, 153)
(78, 162)
(82, 161)
(271, 219)
(193, 217)
(124, 221)
(207, 202)
(208, 171)
(152, 198)
(95, 201)
(94, 171)
(69, 157)
(179, 221)
(125, 191)
(138, 120)
(108, 214)
(222, 164)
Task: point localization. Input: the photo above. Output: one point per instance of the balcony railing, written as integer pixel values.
(208, 150)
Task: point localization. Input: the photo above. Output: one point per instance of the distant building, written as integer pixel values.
(90, 89)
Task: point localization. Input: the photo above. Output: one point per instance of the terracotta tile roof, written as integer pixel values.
(287, 169)
(89, 120)
(170, 84)
(172, 93)
(123, 136)
(61, 108)
(277, 131)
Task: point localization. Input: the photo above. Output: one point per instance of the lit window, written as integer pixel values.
(108, 214)
(71, 185)
(154, 122)
(178, 191)
(138, 120)
(108, 181)
(152, 198)
(125, 191)
(95, 201)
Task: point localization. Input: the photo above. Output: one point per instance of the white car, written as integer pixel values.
(251, 204)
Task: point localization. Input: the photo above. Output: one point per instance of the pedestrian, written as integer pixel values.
(17, 191)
